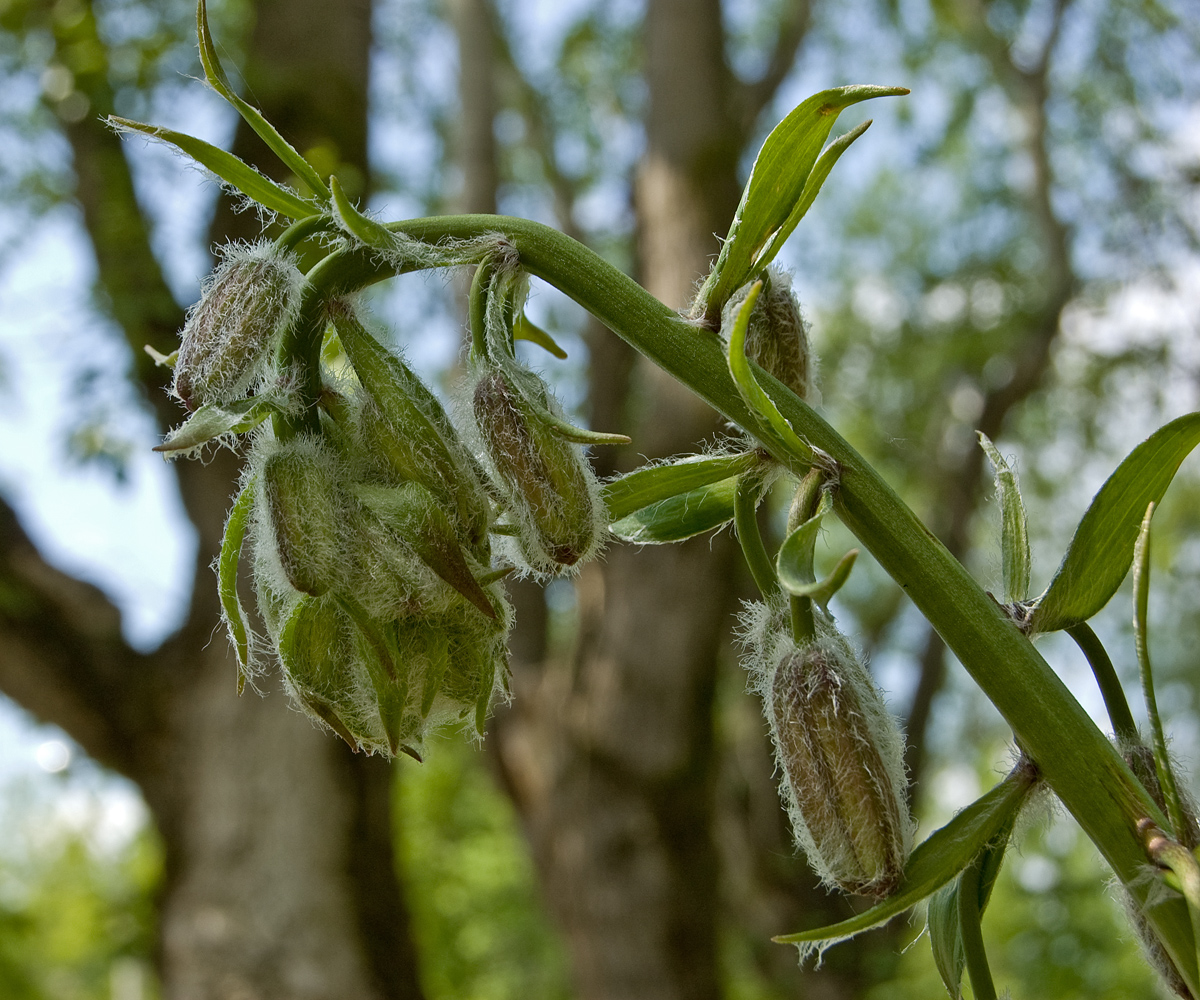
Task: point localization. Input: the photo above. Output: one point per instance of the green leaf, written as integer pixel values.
(748, 388)
(680, 517)
(781, 187)
(945, 938)
(217, 79)
(822, 591)
(229, 168)
(525, 329)
(227, 572)
(211, 421)
(794, 564)
(936, 861)
(653, 483)
(1014, 535)
(1101, 552)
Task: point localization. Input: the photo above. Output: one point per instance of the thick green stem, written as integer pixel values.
(1109, 683)
(1072, 754)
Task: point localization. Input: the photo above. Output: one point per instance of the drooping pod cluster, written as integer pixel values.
(369, 518)
(839, 751)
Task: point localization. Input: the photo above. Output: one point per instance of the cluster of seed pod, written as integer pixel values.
(371, 525)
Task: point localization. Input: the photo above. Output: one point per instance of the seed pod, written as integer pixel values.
(777, 339)
(841, 756)
(550, 488)
(405, 425)
(233, 330)
(305, 509)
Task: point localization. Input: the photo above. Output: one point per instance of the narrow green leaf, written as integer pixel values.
(945, 938)
(217, 79)
(936, 861)
(525, 329)
(227, 572)
(745, 525)
(777, 186)
(211, 421)
(1101, 552)
(363, 228)
(1014, 535)
(680, 517)
(751, 392)
(653, 483)
(229, 168)
(970, 929)
(812, 188)
(1141, 635)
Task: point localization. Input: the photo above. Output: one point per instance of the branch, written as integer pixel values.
(749, 99)
(62, 655)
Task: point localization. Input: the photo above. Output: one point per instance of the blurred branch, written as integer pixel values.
(62, 655)
(749, 99)
(135, 292)
(1028, 89)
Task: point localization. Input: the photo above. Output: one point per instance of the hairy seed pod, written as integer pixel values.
(305, 510)
(777, 339)
(405, 425)
(836, 744)
(233, 330)
(550, 487)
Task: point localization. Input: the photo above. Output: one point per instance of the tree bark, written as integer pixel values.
(280, 878)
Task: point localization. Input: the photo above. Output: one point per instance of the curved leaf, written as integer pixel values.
(229, 168)
(649, 485)
(227, 572)
(211, 421)
(781, 186)
(1101, 552)
(936, 861)
(219, 82)
(680, 517)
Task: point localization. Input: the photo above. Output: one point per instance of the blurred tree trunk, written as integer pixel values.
(612, 757)
(280, 879)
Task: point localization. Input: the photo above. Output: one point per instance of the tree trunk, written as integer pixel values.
(280, 878)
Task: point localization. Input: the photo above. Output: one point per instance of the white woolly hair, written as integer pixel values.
(766, 637)
(231, 333)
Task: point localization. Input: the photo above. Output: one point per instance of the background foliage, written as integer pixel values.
(1012, 247)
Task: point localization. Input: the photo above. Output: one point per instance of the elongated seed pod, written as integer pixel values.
(551, 489)
(306, 510)
(834, 738)
(408, 428)
(231, 333)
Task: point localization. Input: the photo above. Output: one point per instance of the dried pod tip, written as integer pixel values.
(232, 331)
(840, 752)
(550, 485)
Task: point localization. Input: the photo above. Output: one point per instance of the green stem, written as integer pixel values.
(1111, 691)
(302, 229)
(745, 521)
(1076, 759)
(477, 309)
(970, 929)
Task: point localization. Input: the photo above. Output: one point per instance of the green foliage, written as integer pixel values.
(478, 922)
(76, 918)
(1052, 930)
